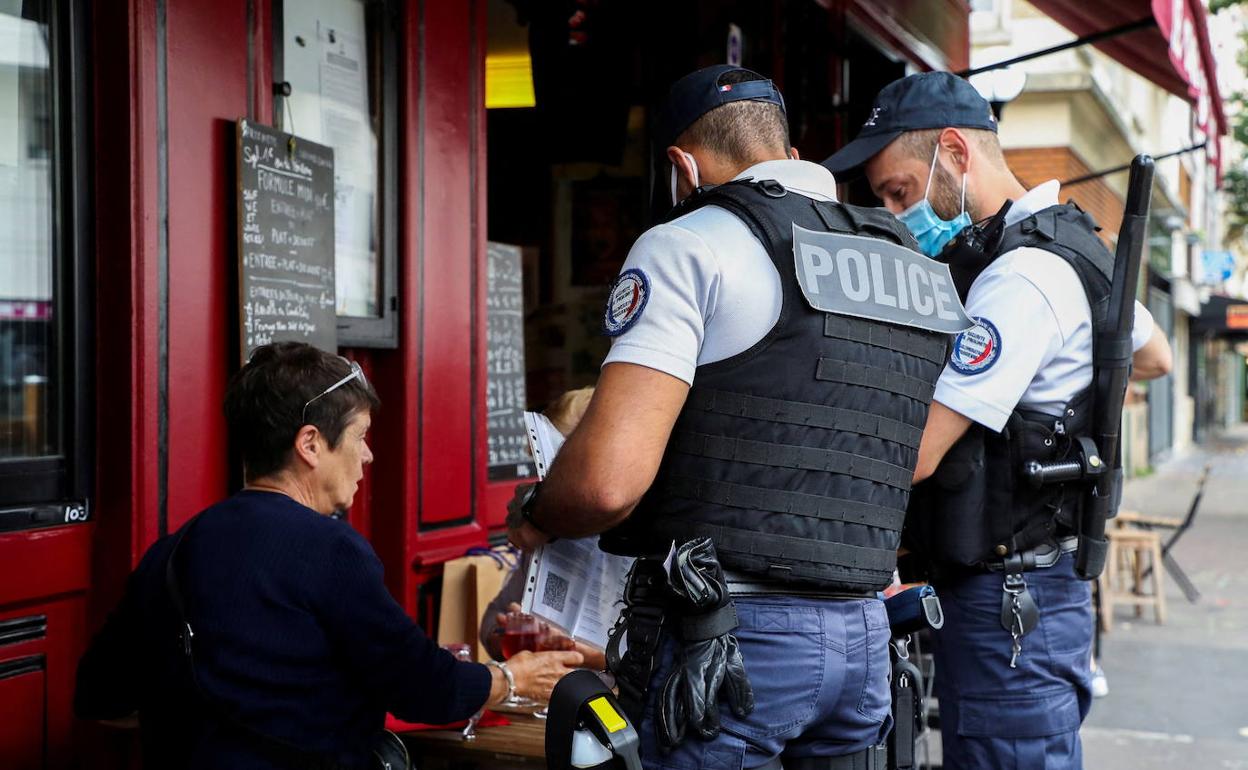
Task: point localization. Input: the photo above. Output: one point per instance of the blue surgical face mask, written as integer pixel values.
(932, 232)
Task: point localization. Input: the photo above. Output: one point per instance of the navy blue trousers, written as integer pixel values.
(819, 670)
(993, 717)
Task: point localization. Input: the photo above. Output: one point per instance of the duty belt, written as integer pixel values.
(1042, 556)
(747, 584)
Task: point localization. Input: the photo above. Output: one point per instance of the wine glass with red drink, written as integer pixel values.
(521, 632)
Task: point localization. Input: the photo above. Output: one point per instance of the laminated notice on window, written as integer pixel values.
(874, 279)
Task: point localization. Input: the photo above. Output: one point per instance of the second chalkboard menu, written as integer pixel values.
(285, 239)
(508, 443)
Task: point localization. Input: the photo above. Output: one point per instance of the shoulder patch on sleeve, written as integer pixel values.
(977, 349)
(626, 301)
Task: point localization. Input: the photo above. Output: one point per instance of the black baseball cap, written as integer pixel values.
(699, 92)
(925, 100)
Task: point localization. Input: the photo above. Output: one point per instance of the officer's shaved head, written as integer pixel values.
(742, 131)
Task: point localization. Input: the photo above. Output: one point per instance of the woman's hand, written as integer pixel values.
(537, 672)
(595, 658)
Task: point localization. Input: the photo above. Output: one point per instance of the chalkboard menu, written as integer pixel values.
(285, 239)
(508, 446)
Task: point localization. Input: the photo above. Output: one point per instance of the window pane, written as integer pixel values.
(29, 417)
(328, 58)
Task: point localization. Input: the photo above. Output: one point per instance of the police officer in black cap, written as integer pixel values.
(1012, 676)
(758, 418)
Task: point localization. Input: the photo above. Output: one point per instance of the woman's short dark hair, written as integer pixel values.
(264, 403)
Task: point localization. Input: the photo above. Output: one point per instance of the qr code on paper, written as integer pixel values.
(555, 593)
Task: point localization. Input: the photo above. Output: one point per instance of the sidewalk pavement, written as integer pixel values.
(1178, 693)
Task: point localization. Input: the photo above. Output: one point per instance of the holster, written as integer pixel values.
(645, 605)
(907, 713)
(909, 611)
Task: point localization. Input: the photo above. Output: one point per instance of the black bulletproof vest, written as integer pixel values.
(977, 506)
(796, 456)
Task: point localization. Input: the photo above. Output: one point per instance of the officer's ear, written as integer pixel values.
(955, 151)
(687, 177)
(793, 155)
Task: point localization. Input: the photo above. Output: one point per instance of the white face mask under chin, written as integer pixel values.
(696, 179)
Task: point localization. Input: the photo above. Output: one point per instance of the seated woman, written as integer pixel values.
(296, 650)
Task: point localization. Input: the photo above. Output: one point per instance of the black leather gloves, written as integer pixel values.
(709, 659)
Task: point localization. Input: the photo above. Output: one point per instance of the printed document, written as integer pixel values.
(570, 582)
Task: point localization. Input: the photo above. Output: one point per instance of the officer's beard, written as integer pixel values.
(946, 195)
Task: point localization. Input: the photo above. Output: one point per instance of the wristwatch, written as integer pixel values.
(511, 679)
(528, 505)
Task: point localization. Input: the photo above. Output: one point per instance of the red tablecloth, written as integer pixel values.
(488, 719)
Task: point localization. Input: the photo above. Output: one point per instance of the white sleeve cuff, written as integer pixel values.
(961, 401)
(626, 351)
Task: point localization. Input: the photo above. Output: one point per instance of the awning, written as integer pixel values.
(1223, 317)
(1188, 70)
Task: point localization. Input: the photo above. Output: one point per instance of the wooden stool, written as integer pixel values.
(1131, 552)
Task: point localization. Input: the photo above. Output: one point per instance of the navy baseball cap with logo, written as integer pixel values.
(915, 102)
(699, 92)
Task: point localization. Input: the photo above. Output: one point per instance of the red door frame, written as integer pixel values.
(431, 437)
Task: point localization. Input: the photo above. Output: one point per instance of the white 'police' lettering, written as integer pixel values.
(871, 278)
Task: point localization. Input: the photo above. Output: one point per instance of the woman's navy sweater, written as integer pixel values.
(295, 635)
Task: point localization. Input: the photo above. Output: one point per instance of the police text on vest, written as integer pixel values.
(871, 278)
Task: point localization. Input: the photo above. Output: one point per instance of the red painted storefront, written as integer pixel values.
(165, 81)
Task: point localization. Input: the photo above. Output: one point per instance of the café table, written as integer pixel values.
(521, 744)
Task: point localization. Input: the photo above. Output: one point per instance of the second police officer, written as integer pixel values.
(1013, 685)
(773, 360)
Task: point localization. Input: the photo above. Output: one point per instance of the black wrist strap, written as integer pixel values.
(709, 625)
(528, 518)
(527, 508)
